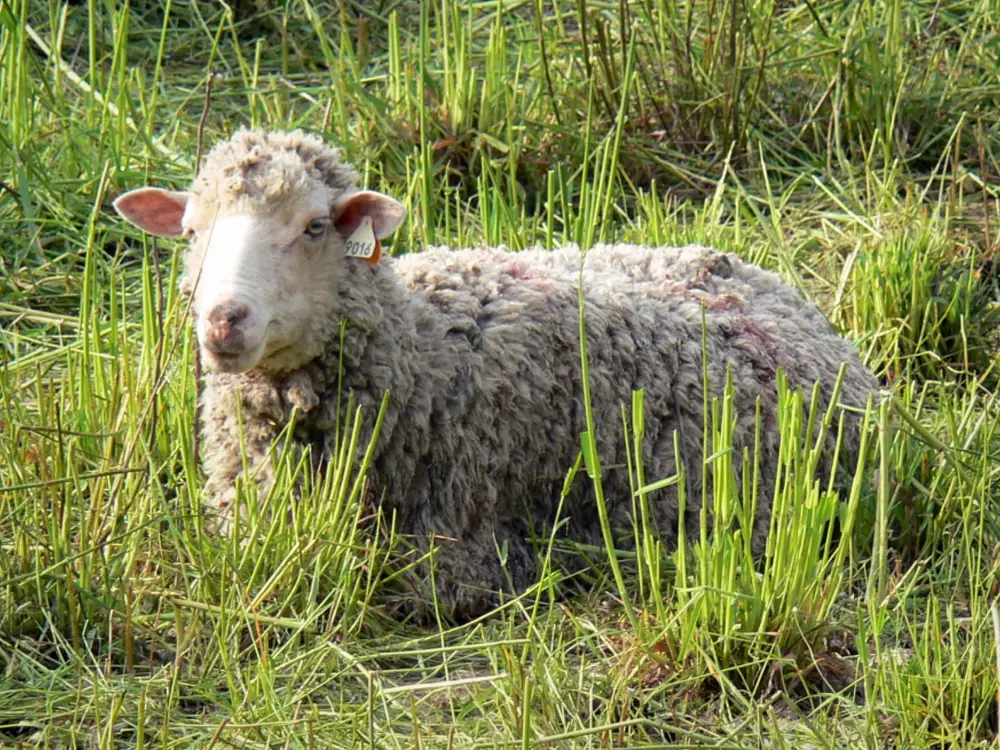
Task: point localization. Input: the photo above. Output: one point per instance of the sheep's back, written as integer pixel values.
(648, 301)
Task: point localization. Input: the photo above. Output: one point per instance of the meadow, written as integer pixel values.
(852, 147)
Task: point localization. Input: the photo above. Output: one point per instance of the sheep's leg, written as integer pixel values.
(240, 423)
(471, 572)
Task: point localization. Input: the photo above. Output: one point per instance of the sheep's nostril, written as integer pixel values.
(237, 315)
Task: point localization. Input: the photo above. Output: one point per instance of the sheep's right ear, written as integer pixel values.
(386, 213)
(154, 210)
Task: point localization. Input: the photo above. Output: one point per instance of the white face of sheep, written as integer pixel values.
(260, 278)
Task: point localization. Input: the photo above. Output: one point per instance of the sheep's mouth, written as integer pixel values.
(231, 362)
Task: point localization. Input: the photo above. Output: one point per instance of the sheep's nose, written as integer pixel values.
(224, 334)
(228, 313)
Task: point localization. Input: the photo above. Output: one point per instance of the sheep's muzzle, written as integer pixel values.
(223, 338)
(224, 333)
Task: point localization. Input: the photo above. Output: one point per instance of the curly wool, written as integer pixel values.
(480, 351)
(259, 167)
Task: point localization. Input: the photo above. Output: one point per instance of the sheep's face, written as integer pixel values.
(261, 272)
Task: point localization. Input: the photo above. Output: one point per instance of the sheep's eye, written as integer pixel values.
(317, 227)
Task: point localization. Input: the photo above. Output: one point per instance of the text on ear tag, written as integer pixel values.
(362, 242)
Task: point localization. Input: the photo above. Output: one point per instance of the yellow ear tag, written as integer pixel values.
(363, 243)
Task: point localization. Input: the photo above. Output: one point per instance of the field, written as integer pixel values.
(852, 147)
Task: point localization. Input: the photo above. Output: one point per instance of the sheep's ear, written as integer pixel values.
(386, 213)
(154, 210)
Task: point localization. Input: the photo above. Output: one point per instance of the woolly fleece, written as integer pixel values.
(480, 351)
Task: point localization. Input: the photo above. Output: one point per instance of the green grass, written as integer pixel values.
(851, 147)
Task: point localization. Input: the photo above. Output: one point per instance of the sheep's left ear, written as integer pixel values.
(386, 213)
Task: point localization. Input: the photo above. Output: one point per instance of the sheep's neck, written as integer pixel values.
(371, 337)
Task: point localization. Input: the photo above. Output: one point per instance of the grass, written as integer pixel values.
(851, 147)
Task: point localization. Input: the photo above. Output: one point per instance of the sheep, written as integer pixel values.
(479, 351)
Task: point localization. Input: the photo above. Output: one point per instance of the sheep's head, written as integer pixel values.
(268, 218)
